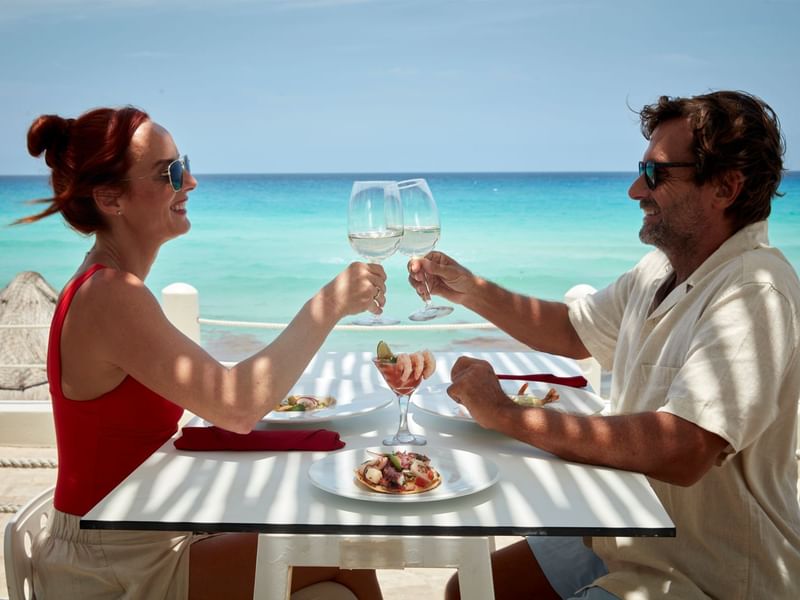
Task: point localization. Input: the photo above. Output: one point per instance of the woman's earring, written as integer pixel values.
(119, 212)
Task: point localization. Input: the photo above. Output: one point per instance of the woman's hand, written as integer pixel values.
(360, 287)
(445, 276)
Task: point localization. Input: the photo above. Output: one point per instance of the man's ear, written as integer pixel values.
(729, 186)
(107, 200)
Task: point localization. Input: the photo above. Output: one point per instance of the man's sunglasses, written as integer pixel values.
(650, 168)
(174, 173)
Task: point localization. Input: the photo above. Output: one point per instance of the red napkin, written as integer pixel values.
(576, 381)
(214, 438)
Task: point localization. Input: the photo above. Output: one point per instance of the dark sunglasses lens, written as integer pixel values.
(650, 174)
(176, 175)
(186, 164)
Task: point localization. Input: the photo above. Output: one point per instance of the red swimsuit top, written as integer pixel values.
(101, 441)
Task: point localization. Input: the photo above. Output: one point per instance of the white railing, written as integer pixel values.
(429, 327)
(181, 305)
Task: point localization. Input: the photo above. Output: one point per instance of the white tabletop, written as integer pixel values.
(270, 492)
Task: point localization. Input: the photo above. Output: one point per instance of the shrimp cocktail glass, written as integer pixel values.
(403, 374)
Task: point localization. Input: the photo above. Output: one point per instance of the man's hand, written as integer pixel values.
(475, 385)
(658, 444)
(446, 277)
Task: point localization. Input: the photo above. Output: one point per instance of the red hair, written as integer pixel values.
(82, 154)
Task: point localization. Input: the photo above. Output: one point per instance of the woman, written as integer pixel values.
(121, 375)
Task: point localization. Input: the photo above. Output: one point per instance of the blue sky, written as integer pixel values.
(269, 86)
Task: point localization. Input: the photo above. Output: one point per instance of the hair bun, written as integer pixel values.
(49, 132)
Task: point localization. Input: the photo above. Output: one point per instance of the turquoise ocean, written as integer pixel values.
(261, 245)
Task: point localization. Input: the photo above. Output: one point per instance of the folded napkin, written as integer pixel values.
(214, 438)
(576, 381)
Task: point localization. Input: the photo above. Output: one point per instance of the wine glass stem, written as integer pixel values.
(376, 317)
(427, 299)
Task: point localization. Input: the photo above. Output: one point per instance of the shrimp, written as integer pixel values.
(430, 364)
(419, 363)
(404, 365)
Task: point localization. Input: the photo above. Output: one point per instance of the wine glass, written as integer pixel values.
(421, 231)
(392, 374)
(375, 228)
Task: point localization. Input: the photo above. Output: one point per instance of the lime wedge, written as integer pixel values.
(384, 352)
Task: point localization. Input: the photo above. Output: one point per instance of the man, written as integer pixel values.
(701, 338)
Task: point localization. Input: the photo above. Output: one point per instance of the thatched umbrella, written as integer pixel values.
(27, 300)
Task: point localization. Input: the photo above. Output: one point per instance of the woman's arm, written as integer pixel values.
(117, 327)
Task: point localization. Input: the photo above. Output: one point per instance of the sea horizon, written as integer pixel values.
(262, 244)
(791, 172)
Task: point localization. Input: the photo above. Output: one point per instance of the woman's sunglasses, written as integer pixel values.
(174, 173)
(650, 168)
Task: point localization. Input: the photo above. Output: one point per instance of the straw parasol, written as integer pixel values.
(27, 300)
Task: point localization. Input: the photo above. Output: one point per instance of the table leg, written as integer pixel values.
(475, 569)
(273, 572)
(277, 552)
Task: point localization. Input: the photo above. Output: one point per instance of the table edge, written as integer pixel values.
(391, 530)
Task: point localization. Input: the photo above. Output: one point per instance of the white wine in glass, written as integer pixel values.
(374, 246)
(421, 230)
(375, 228)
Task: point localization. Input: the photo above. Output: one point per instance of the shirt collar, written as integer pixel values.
(747, 238)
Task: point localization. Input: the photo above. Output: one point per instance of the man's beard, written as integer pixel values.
(664, 234)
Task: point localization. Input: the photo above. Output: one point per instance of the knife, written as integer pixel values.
(576, 381)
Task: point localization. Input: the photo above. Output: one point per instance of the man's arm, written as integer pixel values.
(538, 324)
(658, 444)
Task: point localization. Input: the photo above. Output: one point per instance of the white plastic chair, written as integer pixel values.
(21, 530)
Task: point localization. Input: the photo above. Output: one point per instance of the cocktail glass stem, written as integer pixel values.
(403, 435)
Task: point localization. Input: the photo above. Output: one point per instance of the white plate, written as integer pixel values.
(462, 473)
(434, 400)
(350, 401)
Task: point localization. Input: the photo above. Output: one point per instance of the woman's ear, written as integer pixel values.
(107, 200)
(729, 186)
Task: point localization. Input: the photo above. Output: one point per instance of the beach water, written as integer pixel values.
(261, 245)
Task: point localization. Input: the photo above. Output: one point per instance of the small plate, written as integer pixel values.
(462, 473)
(350, 401)
(434, 400)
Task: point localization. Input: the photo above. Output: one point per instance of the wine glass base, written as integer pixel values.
(430, 312)
(405, 439)
(371, 319)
